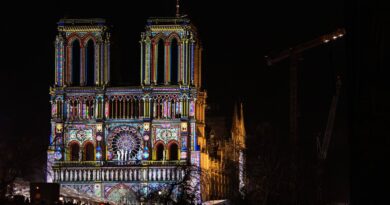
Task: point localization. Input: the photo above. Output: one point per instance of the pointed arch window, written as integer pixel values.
(174, 61)
(160, 62)
(90, 63)
(76, 62)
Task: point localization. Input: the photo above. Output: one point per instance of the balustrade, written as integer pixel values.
(127, 174)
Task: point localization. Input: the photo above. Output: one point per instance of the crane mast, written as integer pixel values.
(323, 147)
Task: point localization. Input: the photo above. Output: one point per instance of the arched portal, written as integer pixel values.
(173, 151)
(74, 152)
(89, 152)
(160, 151)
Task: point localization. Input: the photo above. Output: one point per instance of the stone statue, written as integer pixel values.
(119, 155)
(122, 154)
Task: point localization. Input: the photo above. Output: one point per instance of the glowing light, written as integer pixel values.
(57, 155)
(192, 108)
(98, 155)
(146, 153)
(326, 41)
(334, 37)
(61, 198)
(183, 155)
(98, 138)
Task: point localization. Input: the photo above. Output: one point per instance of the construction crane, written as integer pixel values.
(294, 53)
(322, 148)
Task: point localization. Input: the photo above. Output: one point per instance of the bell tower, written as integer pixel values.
(170, 53)
(82, 53)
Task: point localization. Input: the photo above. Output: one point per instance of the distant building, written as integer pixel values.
(223, 155)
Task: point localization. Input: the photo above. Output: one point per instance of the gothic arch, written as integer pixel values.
(74, 150)
(174, 58)
(72, 37)
(160, 54)
(172, 36)
(158, 37)
(76, 59)
(88, 151)
(87, 38)
(89, 55)
(173, 150)
(158, 151)
(87, 142)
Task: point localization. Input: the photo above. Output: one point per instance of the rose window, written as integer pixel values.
(125, 143)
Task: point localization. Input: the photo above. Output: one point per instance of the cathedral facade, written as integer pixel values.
(123, 143)
(120, 141)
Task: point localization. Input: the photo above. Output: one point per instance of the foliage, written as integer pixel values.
(183, 191)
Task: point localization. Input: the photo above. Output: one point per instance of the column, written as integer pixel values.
(83, 64)
(147, 60)
(106, 59)
(192, 61)
(167, 62)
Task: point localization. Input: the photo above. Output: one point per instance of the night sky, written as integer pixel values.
(236, 35)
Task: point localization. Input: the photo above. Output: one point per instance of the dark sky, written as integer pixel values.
(236, 35)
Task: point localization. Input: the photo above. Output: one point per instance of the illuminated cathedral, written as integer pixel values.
(120, 143)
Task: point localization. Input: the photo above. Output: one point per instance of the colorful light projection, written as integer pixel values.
(167, 134)
(59, 128)
(192, 108)
(80, 135)
(146, 127)
(195, 156)
(58, 154)
(99, 127)
(194, 142)
(98, 190)
(98, 153)
(146, 153)
(124, 143)
(184, 127)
